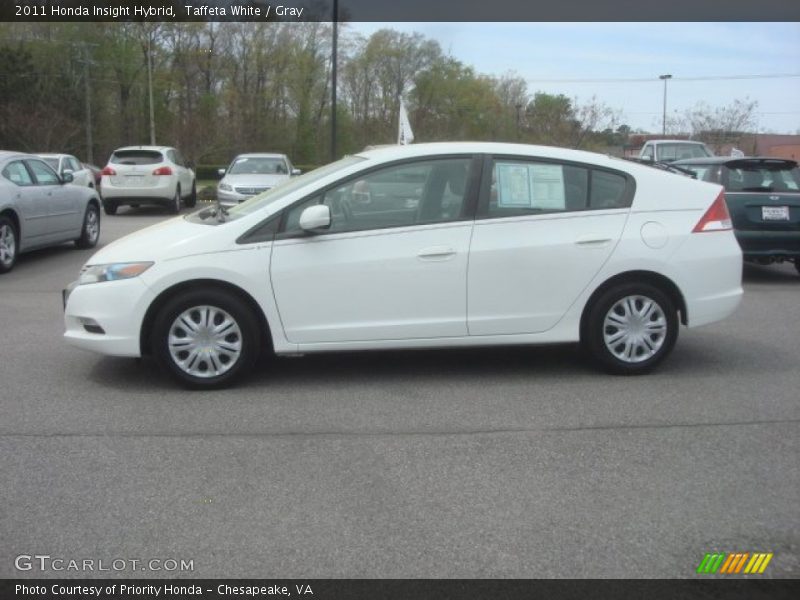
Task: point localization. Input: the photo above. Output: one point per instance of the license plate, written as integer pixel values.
(775, 213)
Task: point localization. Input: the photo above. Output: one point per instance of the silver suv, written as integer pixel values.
(138, 175)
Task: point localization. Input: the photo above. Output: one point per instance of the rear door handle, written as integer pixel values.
(436, 253)
(592, 241)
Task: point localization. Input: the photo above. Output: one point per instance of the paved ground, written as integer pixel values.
(478, 463)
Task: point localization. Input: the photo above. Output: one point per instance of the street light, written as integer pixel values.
(664, 117)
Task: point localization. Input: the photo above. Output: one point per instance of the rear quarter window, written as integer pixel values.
(136, 157)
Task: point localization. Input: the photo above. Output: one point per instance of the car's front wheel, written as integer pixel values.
(206, 339)
(9, 245)
(110, 207)
(631, 328)
(91, 228)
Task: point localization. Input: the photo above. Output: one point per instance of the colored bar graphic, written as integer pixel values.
(730, 563)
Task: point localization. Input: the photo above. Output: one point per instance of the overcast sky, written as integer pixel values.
(542, 52)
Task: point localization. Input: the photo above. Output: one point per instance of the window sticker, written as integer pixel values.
(547, 183)
(538, 187)
(513, 186)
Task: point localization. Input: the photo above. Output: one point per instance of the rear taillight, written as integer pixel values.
(108, 171)
(162, 171)
(717, 217)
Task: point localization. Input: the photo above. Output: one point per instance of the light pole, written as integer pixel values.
(664, 117)
(334, 69)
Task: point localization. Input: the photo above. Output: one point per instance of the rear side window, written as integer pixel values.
(608, 191)
(136, 157)
(520, 187)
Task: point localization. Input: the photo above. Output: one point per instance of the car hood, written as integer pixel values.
(173, 238)
(249, 180)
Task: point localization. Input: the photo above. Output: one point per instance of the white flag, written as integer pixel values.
(404, 134)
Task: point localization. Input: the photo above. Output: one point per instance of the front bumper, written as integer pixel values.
(231, 198)
(117, 308)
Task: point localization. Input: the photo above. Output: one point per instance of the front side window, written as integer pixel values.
(16, 173)
(430, 191)
(648, 152)
(73, 163)
(44, 174)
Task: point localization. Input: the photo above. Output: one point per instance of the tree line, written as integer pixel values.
(219, 89)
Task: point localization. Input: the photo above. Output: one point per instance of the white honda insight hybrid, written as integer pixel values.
(422, 246)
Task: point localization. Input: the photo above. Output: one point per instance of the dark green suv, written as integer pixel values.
(763, 197)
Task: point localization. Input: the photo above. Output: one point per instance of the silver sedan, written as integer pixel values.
(38, 209)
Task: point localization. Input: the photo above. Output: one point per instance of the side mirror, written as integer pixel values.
(221, 172)
(66, 176)
(315, 218)
(296, 172)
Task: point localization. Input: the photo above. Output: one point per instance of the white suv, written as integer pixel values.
(138, 175)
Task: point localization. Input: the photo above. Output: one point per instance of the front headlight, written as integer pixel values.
(112, 272)
(226, 187)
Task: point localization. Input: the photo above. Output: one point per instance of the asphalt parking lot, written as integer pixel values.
(469, 463)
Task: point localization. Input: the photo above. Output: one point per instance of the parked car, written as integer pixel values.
(97, 173)
(251, 174)
(763, 197)
(672, 150)
(502, 244)
(66, 163)
(138, 175)
(38, 208)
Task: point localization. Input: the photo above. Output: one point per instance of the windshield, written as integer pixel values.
(136, 157)
(258, 165)
(681, 151)
(760, 177)
(289, 186)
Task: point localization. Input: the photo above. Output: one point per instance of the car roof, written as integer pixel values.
(398, 152)
(693, 142)
(7, 154)
(151, 148)
(260, 155)
(51, 154)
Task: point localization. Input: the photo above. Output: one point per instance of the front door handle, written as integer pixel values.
(436, 253)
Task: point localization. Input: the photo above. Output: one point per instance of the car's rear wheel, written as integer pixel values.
(206, 339)
(9, 245)
(192, 199)
(175, 205)
(109, 207)
(91, 228)
(631, 328)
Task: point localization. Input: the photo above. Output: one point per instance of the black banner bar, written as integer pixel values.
(400, 10)
(408, 589)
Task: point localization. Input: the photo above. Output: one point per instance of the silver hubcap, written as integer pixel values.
(8, 245)
(92, 225)
(635, 329)
(205, 341)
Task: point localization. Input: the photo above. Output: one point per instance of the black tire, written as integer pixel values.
(175, 203)
(652, 338)
(192, 374)
(90, 232)
(109, 207)
(797, 265)
(9, 244)
(191, 201)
